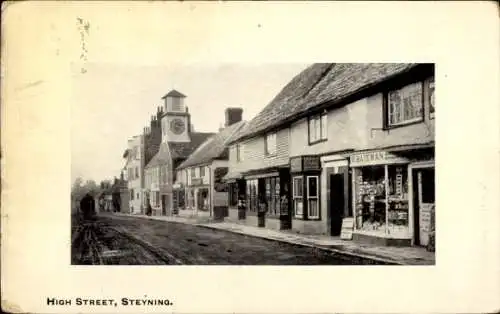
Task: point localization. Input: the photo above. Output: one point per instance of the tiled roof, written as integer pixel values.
(214, 147)
(173, 93)
(183, 150)
(317, 84)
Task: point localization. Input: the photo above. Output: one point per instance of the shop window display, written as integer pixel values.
(382, 199)
(397, 199)
(370, 201)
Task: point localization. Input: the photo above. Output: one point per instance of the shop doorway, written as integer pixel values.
(164, 205)
(336, 203)
(423, 204)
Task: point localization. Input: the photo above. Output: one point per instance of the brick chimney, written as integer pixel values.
(233, 115)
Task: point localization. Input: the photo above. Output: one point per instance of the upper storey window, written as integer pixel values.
(405, 105)
(270, 144)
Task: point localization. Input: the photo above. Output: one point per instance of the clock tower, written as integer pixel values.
(175, 124)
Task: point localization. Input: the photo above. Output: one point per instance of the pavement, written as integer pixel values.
(383, 254)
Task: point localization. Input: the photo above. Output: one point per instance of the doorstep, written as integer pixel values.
(387, 254)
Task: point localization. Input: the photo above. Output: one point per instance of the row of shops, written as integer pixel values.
(387, 195)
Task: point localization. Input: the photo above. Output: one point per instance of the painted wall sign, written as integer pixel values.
(377, 157)
(311, 163)
(305, 163)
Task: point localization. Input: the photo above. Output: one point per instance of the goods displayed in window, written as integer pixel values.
(382, 199)
(370, 199)
(397, 199)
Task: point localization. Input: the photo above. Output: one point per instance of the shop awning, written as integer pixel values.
(263, 171)
(232, 176)
(403, 148)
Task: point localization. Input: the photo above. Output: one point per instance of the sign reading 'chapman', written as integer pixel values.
(375, 157)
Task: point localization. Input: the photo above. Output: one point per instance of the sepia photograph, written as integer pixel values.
(332, 164)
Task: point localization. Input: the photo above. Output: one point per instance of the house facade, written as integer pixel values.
(259, 167)
(361, 147)
(205, 192)
(177, 141)
(135, 173)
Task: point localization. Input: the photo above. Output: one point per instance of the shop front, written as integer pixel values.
(199, 197)
(381, 199)
(336, 191)
(178, 198)
(236, 196)
(422, 177)
(305, 174)
(267, 195)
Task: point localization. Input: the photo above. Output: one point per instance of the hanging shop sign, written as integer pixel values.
(375, 158)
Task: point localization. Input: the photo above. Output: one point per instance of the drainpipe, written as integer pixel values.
(211, 187)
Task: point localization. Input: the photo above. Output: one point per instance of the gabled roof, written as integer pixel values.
(316, 85)
(173, 93)
(214, 147)
(183, 150)
(160, 158)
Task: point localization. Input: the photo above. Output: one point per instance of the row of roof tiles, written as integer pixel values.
(316, 85)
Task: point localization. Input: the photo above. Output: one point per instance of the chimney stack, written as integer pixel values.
(233, 115)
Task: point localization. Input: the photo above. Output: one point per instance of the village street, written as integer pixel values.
(116, 239)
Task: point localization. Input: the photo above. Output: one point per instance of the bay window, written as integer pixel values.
(318, 128)
(405, 105)
(298, 196)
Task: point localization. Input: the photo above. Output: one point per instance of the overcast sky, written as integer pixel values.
(114, 102)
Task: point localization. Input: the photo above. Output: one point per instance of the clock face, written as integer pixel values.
(177, 126)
